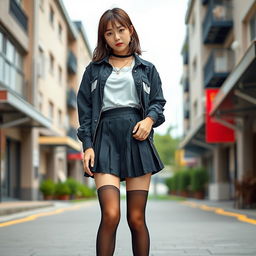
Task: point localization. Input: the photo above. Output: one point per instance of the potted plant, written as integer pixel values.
(198, 180)
(73, 185)
(184, 181)
(47, 187)
(62, 191)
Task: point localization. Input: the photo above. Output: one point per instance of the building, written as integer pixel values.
(219, 54)
(42, 58)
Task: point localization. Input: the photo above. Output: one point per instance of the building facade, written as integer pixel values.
(42, 58)
(219, 53)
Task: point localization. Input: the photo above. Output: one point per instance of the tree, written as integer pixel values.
(166, 146)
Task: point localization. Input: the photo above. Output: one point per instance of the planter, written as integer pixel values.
(48, 197)
(63, 197)
(184, 193)
(199, 194)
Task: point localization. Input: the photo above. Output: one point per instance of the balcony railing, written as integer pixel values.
(71, 98)
(72, 62)
(12, 78)
(218, 67)
(218, 21)
(19, 15)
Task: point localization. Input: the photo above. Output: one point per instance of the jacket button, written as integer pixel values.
(135, 71)
(95, 120)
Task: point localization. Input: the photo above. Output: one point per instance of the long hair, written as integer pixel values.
(116, 14)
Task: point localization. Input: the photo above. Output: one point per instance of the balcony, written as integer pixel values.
(218, 67)
(72, 133)
(18, 14)
(72, 62)
(186, 110)
(186, 84)
(218, 21)
(71, 98)
(184, 51)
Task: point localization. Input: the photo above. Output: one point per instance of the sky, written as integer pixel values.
(160, 25)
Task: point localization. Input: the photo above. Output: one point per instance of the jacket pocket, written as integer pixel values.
(93, 85)
(146, 87)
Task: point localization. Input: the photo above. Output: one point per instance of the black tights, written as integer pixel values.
(109, 199)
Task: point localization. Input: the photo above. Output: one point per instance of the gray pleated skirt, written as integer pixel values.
(117, 152)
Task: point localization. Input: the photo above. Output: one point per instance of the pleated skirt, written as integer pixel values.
(117, 152)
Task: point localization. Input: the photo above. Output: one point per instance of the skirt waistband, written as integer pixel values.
(120, 111)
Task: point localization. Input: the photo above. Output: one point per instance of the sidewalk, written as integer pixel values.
(226, 205)
(11, 207)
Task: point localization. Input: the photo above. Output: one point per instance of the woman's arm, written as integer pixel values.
(84, 106)
(156, 99)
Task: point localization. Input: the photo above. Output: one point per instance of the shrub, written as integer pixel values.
(47, 187)
(198, 179)
(85, 191)
(73, 185)
(62, 189)
(168, 183)
(184, 180)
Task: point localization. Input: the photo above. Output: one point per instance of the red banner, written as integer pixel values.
(216, 132)
(75, 156)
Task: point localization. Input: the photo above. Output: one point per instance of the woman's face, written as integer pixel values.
(118, 38)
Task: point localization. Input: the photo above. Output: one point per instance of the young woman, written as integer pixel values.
(120, 101)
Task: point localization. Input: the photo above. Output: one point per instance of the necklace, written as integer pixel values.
(118, 70)
(121, 56)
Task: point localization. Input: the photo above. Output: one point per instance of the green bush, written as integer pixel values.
(85, 191)
(47, 187)
(73, 185)
(174, 182)
(62, 188)
(198, 179)
(168, 183)
(184, 180)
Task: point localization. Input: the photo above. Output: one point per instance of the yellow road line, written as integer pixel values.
(38, 215)
(217, 210)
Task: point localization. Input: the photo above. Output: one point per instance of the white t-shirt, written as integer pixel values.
(119, 90)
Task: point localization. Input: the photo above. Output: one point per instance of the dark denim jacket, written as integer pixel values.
(90, 96)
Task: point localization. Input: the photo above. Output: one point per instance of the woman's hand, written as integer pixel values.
(142, 129)
(88, 159)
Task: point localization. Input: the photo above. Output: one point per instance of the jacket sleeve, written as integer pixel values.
(156, 99)
(84, 106)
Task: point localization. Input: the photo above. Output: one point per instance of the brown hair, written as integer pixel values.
(116, 14)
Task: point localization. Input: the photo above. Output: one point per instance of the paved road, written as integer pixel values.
(175, 229)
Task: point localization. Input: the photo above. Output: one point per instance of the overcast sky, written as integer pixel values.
(161, 29)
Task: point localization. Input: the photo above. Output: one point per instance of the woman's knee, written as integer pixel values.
(111, 217)
(136, 220)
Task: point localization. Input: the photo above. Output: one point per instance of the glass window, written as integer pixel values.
(1, 69)
(51, 64)
(253, 27)
(51, 16)
(10, 51)
(1, 42)
(60, 31)
(7, 73)
(60, 75)
(50, 109)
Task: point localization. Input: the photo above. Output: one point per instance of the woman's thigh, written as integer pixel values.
(106, 179)
(141, 182)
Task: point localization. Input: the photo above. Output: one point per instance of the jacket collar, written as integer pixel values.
(138, 60)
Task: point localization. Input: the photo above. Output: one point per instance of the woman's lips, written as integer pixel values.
(119, 44)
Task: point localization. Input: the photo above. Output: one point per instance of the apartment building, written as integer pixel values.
(42, 58)
(219, 91)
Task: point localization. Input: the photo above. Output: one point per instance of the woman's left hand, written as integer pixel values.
(142, 129)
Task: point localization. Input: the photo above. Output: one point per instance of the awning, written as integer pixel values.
(237, 95)
(194, 141)
(15, 111)
(59, 141)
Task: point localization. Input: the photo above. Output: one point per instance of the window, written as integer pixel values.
(51, 17)
(50, 110)
(19, 2)
(195, 108)
(59, 118)
(40, 101)
(41, 63)
(194, 66)
(51, 64)
(60, 31)
(253, 27)
(60, 75)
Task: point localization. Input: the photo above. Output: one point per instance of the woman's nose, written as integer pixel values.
(117, 36)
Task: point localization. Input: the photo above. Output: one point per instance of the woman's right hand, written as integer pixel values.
(88, 159)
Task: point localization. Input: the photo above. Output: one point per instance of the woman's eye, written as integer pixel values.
(109, 34)
(121, 30)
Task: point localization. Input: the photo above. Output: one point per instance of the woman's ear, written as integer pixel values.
(131, 30)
